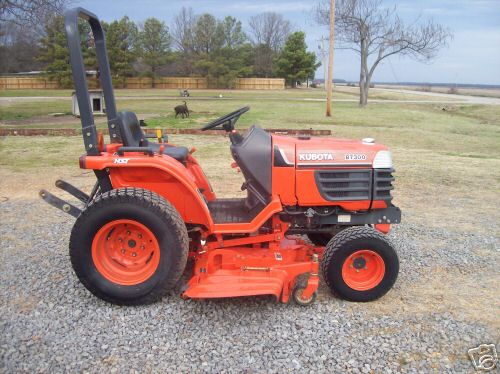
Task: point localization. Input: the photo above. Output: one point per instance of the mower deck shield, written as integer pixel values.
(251, 271)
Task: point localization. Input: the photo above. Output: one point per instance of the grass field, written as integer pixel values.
(26, 104)
(460, 129)
(446, 160)
(339, 93)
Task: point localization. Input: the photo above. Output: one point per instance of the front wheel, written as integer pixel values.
(360, 264)
(129, 246)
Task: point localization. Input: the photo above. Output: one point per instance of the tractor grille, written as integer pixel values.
(344, 184)
(382, 181)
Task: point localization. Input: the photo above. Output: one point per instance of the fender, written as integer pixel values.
(200, 178)
(158, 173)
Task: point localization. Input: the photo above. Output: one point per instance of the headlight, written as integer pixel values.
(382, 160)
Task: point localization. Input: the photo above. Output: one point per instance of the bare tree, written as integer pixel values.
(268, 34)
(183, 30)
(30, 13)
(269, 29)
(19, 47)
(376, 33)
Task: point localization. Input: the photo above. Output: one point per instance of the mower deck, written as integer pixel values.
(253, 270)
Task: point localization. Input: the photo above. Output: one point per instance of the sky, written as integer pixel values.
(473, 56)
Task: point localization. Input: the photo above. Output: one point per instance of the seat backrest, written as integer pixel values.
(253, 156)
(130, 129)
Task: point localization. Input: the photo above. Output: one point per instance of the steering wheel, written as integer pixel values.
(231, 118)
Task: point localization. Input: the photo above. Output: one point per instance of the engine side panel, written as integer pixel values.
(284, 169)
(324, 172)
(327, 152)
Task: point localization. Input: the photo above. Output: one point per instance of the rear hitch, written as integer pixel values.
(59, 203)
(64, 205)
(72, 190)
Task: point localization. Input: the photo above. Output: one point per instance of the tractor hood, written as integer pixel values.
(309, 152)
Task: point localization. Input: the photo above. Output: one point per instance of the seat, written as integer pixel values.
(133, 136)
(253, 156)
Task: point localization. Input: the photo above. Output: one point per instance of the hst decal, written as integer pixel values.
(315, 157)
(121, 160)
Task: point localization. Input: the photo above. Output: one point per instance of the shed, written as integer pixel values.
(96, 101)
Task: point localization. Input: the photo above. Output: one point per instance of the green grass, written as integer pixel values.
(161, 101)
(35, 93)
(339, 93)
(447, 162)
(462, 130)
(25, 110)
(51, 151)
(158, 101)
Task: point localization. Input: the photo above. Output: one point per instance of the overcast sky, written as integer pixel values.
(472, 57)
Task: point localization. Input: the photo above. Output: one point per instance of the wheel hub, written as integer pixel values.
(363, 270)
(115, 254)
(359, 262)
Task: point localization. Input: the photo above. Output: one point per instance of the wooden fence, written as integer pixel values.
(260, 84)
(10, 83)
(167, 82)
(16, 83)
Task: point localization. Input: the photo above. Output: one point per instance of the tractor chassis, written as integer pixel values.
(277, 263)
(262, 264)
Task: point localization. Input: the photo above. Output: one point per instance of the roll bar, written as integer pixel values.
(79, 77)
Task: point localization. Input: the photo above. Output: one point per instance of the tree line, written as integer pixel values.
(193, 45)
(202, 45)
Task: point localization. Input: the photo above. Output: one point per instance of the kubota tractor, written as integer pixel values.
(152, 209)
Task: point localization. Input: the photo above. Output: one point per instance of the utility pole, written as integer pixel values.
(329, 88)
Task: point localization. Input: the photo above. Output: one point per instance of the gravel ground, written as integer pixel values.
(442, 304)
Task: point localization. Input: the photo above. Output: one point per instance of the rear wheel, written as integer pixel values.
(360, 264)
(129, 246)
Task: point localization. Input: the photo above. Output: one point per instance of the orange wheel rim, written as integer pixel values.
(363, 270)
(125, 252)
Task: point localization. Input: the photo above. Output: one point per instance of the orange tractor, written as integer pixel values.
(152, 209)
